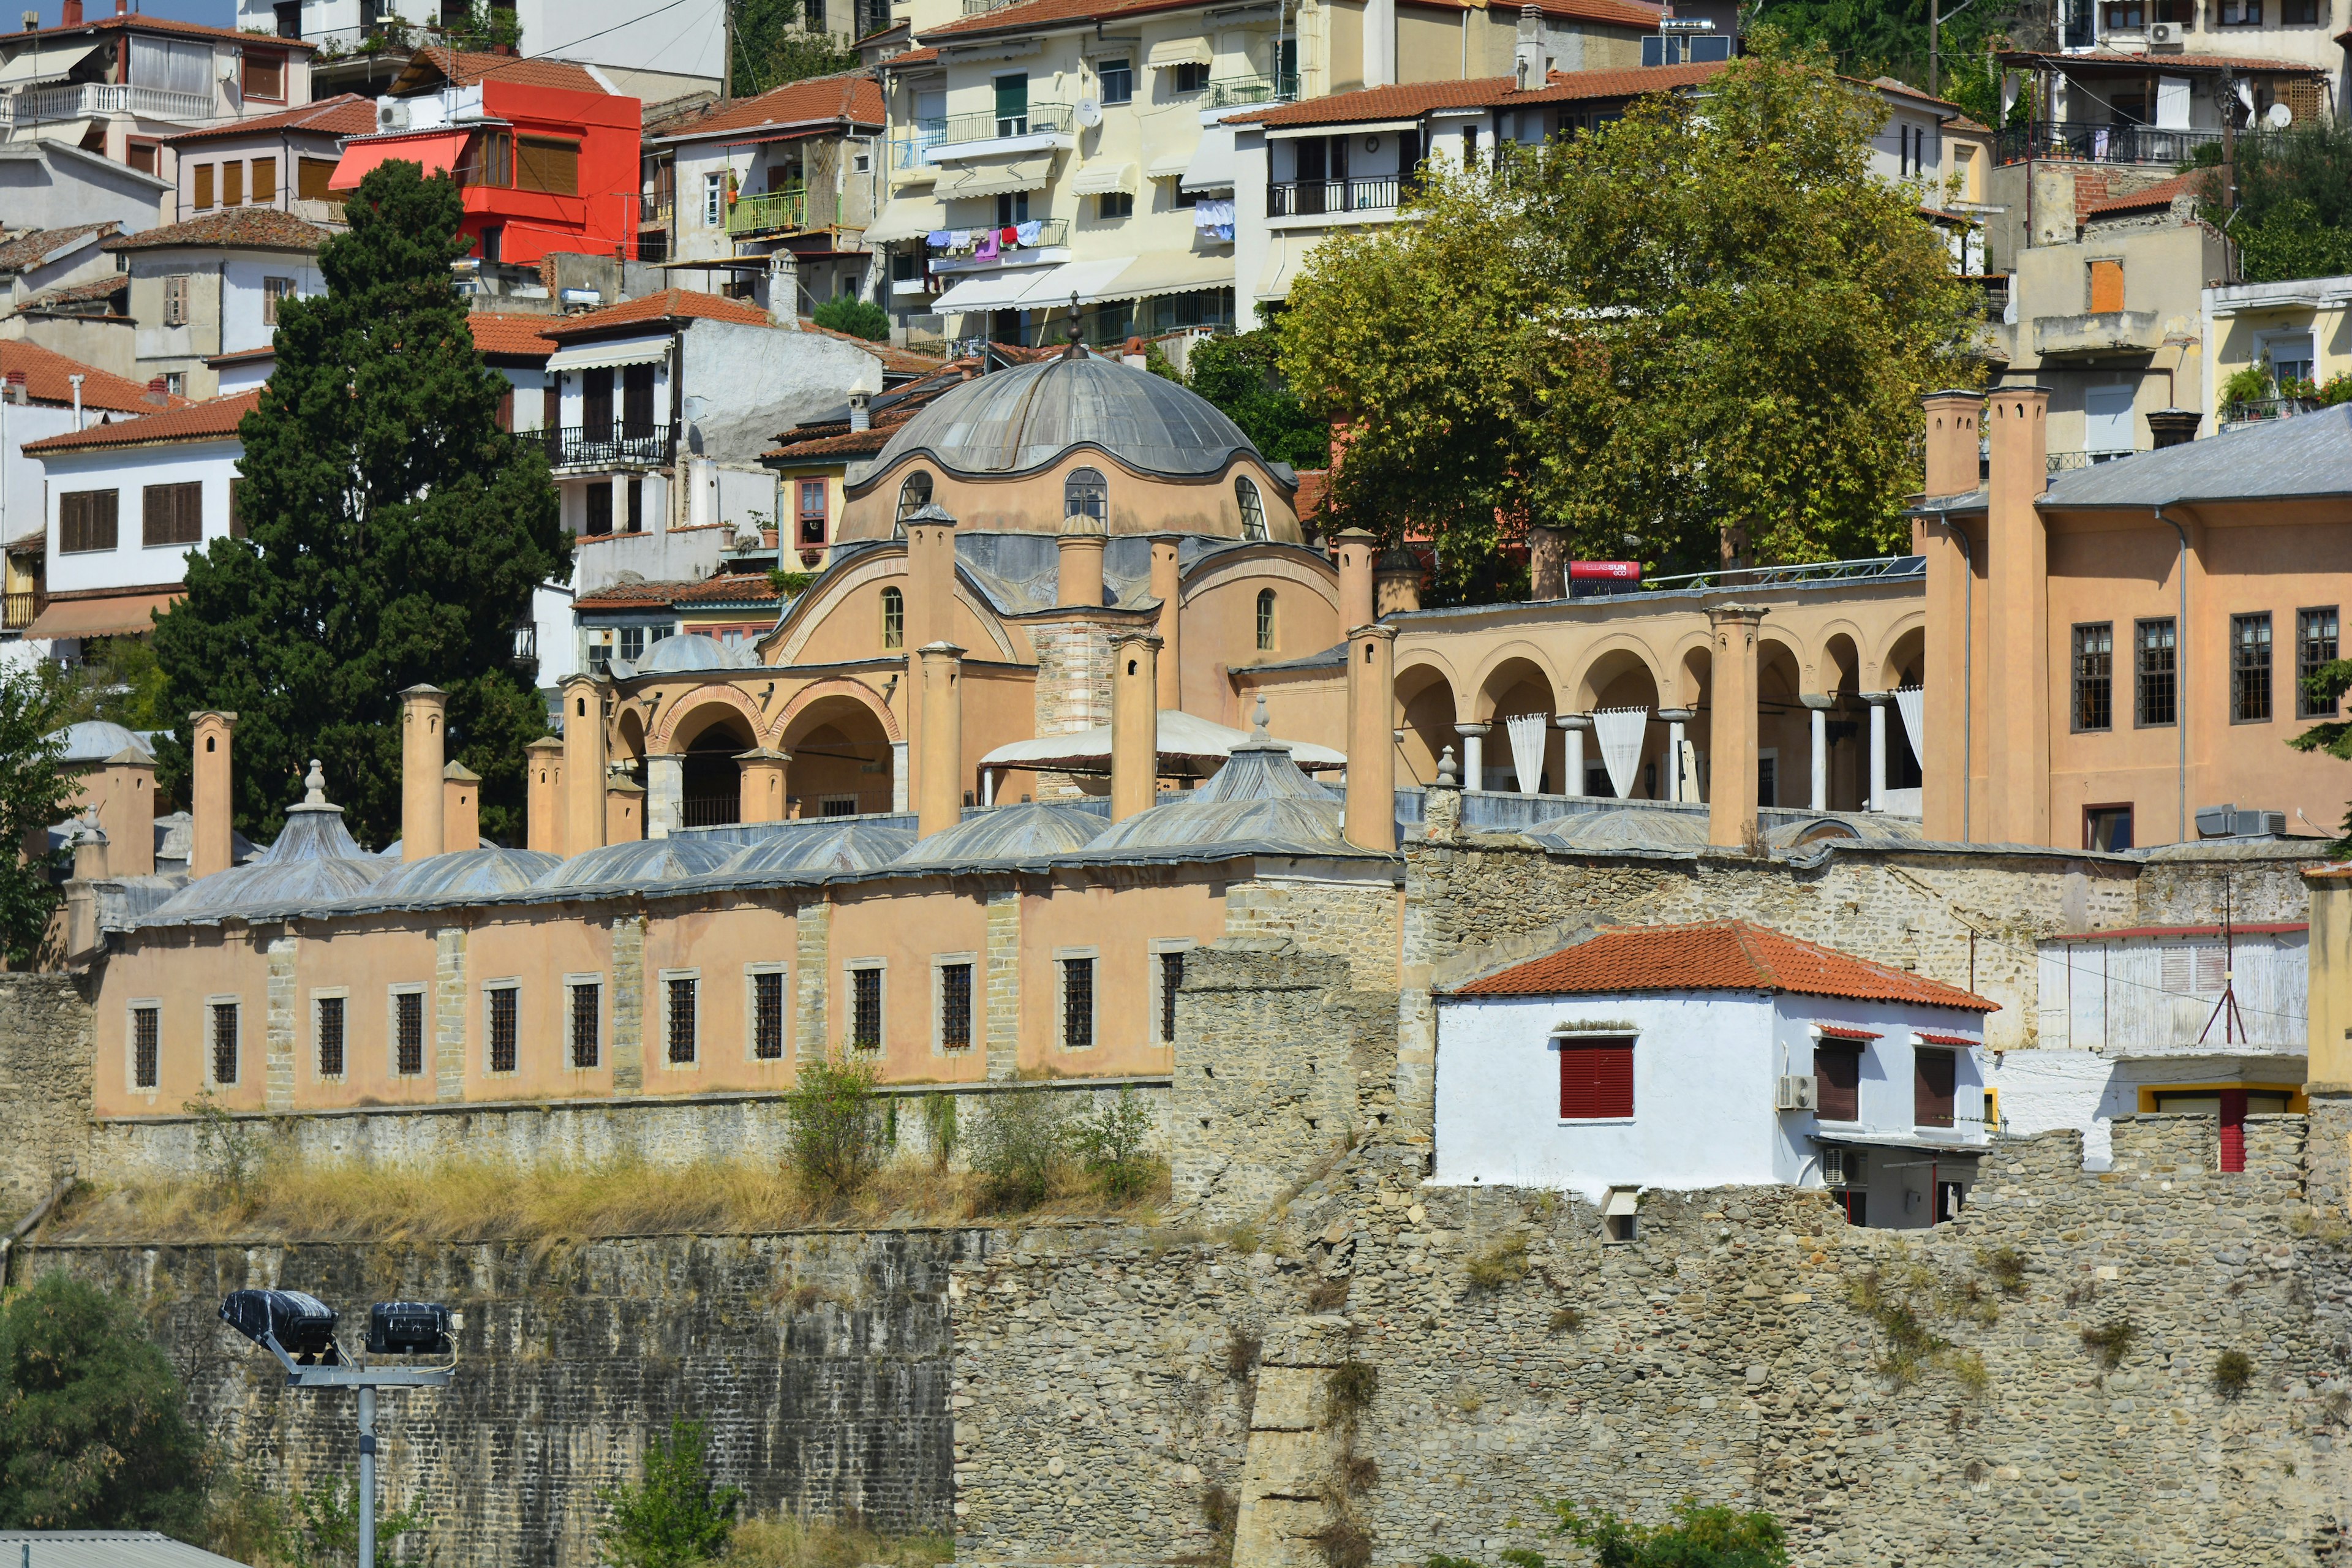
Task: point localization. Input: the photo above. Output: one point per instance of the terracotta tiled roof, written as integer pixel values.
(1044, 13)
(345, 114)
(437, 63)
(149, 25)
(45, 371)
(196, 422)
(1892, 84)
(630, 596)
(853, 96)
(248, 228)
(31, 246)
(1614, 13)
(912, 57)
(496, 333)
(832, 441)
(2170, 64)
(1963, 123)
(74, 293)
(1717, 955)
(2153, 198)
(727, 588)
(663, 306)
(1403, 102)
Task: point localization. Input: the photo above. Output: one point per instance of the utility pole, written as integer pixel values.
(727, 44)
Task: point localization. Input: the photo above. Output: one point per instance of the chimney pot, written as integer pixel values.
(422, 753)
(861, 407)
(2173, 427)
(157, 391)
(1134, 725)
(69, 14)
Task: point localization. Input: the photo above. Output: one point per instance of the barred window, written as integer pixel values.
(894, 618)
(146, 1036)
(2094, 683)
(1265, 620)
(1077, 1004)
(955, 1005)
(1171, 979)
(2249, 669)
(330, 1037)
(586, 1034)
(2157, 679)
(408, 1033)
(2314, 651)
(866, 1009)
(502, 1021)
(223, 1042)
(768, 1016)
(681, 1020)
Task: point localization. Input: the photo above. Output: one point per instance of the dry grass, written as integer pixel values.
(491, 1201)
(788, 1543)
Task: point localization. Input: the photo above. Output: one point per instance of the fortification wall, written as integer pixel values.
(45, 1083)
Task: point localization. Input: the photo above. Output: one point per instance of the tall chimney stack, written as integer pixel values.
(583, 765)
(423, 751)
(1134, 725)
(761, 785)
(1357, 550)
(1370, 818)
(542, 770)
(2017, 574)
(209, 792)
(1731, 791)
(1081, 578)
(1954, 429)
(461, 809)
(125, 791)
(939, 776)
(930, 578)
(1168, 588)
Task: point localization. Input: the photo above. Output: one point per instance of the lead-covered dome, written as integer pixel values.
(1014, 421)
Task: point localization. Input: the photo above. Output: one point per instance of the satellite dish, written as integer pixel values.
(1089, 113)
(2280, 116)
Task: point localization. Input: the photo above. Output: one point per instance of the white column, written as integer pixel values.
(1675, 719)
(1473, 759)
(1818, 703)
(899, 777)
(988, 786)
(1575, 724)
(1878, 701)
(665, 795)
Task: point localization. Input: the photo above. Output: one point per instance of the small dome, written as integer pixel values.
(814, 848)
(314, 862)
(1259, 803)
(634, 863)
(1622, 827)
(97, 741)
(1013, 421)
(1008, 833)
(689, 653)
(467, 875)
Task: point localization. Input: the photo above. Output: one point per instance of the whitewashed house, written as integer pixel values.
(205, 295)
(1723, 1054)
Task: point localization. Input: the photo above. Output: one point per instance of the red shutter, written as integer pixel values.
(1596, 1079)
(1839, 1068)
(2233, 1129)
(1931, 1088)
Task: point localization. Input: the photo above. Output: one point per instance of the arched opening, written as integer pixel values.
(1694, 685)
(1253, 508)
(1783, 728)
(1085, 493)
(1265, 627)
(629, 743)
(1905, 665)
(1425, 711)
(1844, 725)
(1519, 688)
(1620, 679)
(711, 783)
(841, 760)
(913, 496)
(894, 619)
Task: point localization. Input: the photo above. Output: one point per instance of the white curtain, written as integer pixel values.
(1620, 732)
(172, 64)
(1528, 748)
(1911, 701)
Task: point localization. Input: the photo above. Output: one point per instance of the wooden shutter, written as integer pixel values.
(265, 181)
(550, 405)
(638, 398)
(2233, 1129)
(1931, 1087)
(265, 74)
(172, 514)
(2106, 286)
(141, 155)
(201, 187)
(548, 166)
(1596, 1079)
(597, 400)
(506, 408)
(232, 184)
(311, 175)
(87, 521)
(1838, 1065)
(175, 299)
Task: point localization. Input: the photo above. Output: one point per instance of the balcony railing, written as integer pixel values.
(709, 810)
(1052, 231)
(46, 105)
(2261, 410)
(618, 445)
(2061, 462)
(1036, 119)
(2103, 143)
(907, 152)
(1230, 91)
(1306, 198)
(18, 610)
(777, 211)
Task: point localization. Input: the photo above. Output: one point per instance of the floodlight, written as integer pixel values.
(303, 1325)
(408, 1328)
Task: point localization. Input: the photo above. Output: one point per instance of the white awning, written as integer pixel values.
(1167, 166)
(1282, 266)
(1086, 279)
(1098, 179)
(999, 179)
(997, 291)
(1212, 164)
(615, 352)
(1178, 52)
(1365, 128)
(1187, 743)
(905, 218)
(1169, 272)
(46, 63)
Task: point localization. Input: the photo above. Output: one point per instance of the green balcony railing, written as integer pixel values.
(778, 211)
(1231, 91)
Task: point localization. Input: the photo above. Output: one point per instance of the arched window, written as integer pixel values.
(913, 496)
(1253, 509)
(1265, 617)
(1085, 493)
(894, 618)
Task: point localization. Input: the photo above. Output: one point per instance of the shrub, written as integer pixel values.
(1220, 1513)
(1697, 1537)
(1326, 1295)
(859, 318)
(2111, 1341)
(1566, 1319)
(673, 1517)
(1343, 1542)
(1500, 1264)
(835, 1140)
(227, 1152)
(323, 1527)
(2247, 384)
(1110, 1146)
(1019, 1145)
(2232, 1371)
(940, 1123)
(1241, 1354)
(1349, 1390)
(2007, 1267)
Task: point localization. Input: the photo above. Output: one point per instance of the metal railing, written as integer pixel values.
(40, 105)
(2255, 410)
(1306, 198)
(778, 210)
(1052, 231)
(618, 445)
(1227, 91)
(18, 610)
(1867, 569)
(526, 644)
(2102, 143)
(1036, 119)
(907, 152)
(709, 810)
(2061, 462)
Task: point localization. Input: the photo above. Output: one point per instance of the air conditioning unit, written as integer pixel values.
(1834, 1168)
(2238, 822)
(2164, 33)
(390, 116)
(1798, 1091)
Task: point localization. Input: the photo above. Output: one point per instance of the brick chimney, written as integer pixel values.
(2174, 426)
(423, 750)
(158, 392)
(19, 392)
(69, 14)
(2017, 574)
(461, 809)
(939, 764)
(1134, 725)
(1370, 822)
(208, 793)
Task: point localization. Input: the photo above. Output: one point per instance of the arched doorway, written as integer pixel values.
(1846, 732)
(1905, 665)
(842, 760)
(1517, 688)
(1621, 678)
(1784, 763)
(1425, 712)
(711, 782)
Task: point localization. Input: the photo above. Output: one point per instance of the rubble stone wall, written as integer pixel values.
(45, 1083)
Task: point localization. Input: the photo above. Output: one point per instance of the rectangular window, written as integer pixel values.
(767, 1015)
(955, 1006)
(633, 643)
(865, 1008)
(1837, 1068)
(2106, 828)
(599, 496)
(1191, 76)
(489, 160)
(1012, 104)
(223, 1042)
(836, 806)
(586, 1021)
(264, 75)
(1171, 980)
(2095, 681)
(331, 1035)
(408, 1033)
(2249, 669)
(637, 399)
(2298, 13)
(548, 166)
(811, 512)
(265, 182)
(1931, 1087)
(232, 184)
(634, 518)
(2241, 12)
(1117, 78)
(273, 289)
(200, 188)
(499, 1027)
(714, 200)
(1114, 205)
(1596, 1079)
(678, 1020)
(2157, 676)
(2314, 651)
(1077, 1004)
(175, 299)
(87, 521)
(311, 177)
(146, 1046)
(172, 514)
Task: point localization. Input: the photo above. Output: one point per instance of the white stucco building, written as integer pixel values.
(1722, 1054)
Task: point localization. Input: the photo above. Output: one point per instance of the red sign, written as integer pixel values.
(1605, 571)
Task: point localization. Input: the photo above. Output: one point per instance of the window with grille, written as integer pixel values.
(223, 1042)
(1085, 493)
(1253, 507)
(1077, 1004)
(175, 287)
(768, 1016)
(866, 1009)
(172, 514)
(274, 290)
(408, 1033)
(501, 1028)
(1932, 1075)
(680, 1028)
(330, 1037)
(2314, 651)
(2249, 669)
(2094, 683)
(2157, 679)
(146, 1046)
(587, 1034)
(1171, 980)
(1837, 1066)
(894, 618)
(1596, 1079)
(955, 1005)
(1265, 620)
(87, 520)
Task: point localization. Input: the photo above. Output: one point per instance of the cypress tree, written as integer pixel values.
(394, 534)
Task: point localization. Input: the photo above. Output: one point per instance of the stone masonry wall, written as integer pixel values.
(45, 1083)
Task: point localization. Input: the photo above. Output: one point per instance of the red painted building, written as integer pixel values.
(548, 159)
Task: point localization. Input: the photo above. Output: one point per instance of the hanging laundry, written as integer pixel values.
(1213, 220)
(1031, 230)
(1009, 236)
(987, 251)
(939, 240)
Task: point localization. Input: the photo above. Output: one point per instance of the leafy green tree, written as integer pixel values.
(91, 1432)
(395, 535)
(1242, 377)
(772, 48)
(836, 1134)
(1867, 38)
(1697, 336)
(485, 26)
(859, 318)
(1696, 1537)
(2294, 216)
(322, 1527)
(2328, 684)
(118, 679)
(676, 1515)
(33, 798)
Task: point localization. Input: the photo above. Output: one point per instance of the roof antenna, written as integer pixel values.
(2226, 1009)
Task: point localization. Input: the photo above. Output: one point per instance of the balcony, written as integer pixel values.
(778, 211)
(959, 131)
(2102, 143)
(2064, 462)
(1050, 233)
(18, 610)
(2263, 410)
(84, 100)
(913, 151)
(1312, 198)
(615, 444)
(2102, 334)
(1235, 91)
